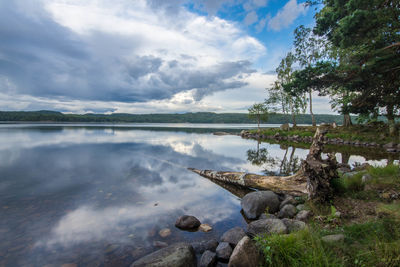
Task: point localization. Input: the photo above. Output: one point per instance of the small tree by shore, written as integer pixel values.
(258, 112)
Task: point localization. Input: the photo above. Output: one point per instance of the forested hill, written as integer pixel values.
(200, 117)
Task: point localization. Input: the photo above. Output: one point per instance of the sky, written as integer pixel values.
(144, 56)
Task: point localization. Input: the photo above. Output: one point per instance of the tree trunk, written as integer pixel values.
(312, 179)
(314, 123)
(347, 120)
(391, 122)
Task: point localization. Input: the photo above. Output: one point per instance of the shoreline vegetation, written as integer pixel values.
(198, 117)
(358, 226)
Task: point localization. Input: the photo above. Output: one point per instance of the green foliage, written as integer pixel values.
(199, 117)
(281, 95)
(373, 243)
(259, 113)
(302, 248)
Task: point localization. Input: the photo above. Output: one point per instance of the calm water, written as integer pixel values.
(97, 195)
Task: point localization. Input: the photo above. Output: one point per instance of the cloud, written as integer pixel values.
(291, 11)
(125, 51)
(251, 18)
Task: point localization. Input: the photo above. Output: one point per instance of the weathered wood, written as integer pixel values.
(312, 179)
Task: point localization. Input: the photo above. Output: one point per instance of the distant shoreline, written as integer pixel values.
(45, 116)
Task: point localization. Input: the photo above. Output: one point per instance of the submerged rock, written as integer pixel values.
(200, 247)
(233, 236)
(208, 259)
(256, 203)
(224, 251)
(245, 254)
(205, 227)
(187, 222)
(164, 232)
(177, 255)
(266, 226)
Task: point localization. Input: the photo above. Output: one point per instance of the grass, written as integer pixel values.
(382, 179)
(375, 243)
(371, 239)
(303, 248)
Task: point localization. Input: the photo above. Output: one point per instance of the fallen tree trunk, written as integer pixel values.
(313, 178)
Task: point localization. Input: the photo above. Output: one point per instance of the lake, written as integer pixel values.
(97, 195)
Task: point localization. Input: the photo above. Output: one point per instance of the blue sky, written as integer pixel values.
(144, 56)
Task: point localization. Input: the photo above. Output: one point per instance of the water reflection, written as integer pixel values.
(101, 194)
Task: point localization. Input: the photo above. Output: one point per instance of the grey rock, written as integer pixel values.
(208, 259)
(333, 238)
(288, 211)
(245, 254)
(233, 236)
(187, 222)
(177, 255)
(256, 203)
(160, 244)
(224, 251)
(200, 247)
(300, 207)
(267, 216)
(287, 200)
(294, 225)
(285, 127)
(303, 215)
(390, 145)
(266, 226)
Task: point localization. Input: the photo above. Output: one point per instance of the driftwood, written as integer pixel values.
(313, 178)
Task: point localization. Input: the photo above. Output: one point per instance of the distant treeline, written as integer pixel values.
(199, 117)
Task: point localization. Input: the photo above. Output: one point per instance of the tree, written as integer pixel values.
(282, 95)
(259, 112)
(366, 35)
(309, 49)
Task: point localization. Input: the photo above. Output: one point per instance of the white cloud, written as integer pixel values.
(291, 11)
(124, 51)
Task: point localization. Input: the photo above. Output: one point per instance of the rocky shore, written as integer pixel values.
(389, 147)
(266, 213)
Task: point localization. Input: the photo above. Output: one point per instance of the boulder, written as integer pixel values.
(285, 127)
(224, 251)
(293, 225)
(177, 255)
(333, 238)
(256, 203)
(303, 215)
(245, 254)
(187, 222)
(267, 216)
(200, 247)
(208, 259)
(288, 200)
(300, 207)
(233, 236)
(288, 211)
(266, 226)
